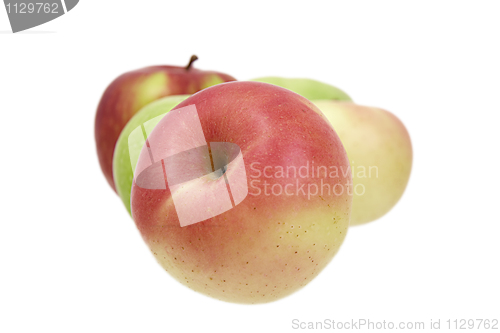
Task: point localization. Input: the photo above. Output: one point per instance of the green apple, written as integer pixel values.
(123, 165)
(310, 89)
(380, 152)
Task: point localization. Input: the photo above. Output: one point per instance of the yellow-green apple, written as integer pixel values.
(129, 146)
(380, 152)
(310, 89)
(128, 93)
(243, 192)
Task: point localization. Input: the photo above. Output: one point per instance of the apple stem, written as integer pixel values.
(193, 59)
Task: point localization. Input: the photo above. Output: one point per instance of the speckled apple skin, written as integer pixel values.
(128, 93)
(266, 247)
(372, 137)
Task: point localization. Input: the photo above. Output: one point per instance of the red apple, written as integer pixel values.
(380, 150)
(243, 192)
(128, 93)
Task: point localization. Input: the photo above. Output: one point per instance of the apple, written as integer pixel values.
(243, 192)
(380, 152)
(310, 89)
(123, 165)
(128, 93)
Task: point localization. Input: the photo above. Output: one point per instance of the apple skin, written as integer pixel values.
(131, 91)
(310, 89)
(373, 138)
(123, 171)
(267, 246)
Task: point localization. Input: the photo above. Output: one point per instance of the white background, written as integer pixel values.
(72, 260)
